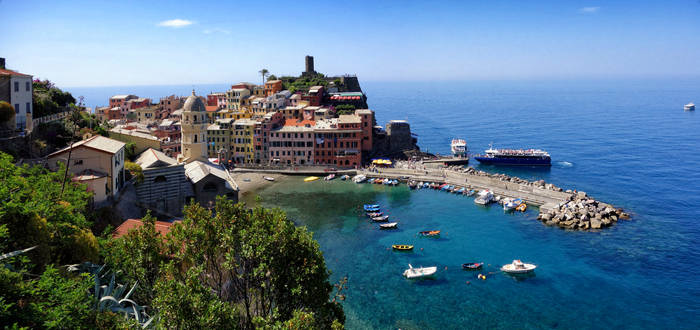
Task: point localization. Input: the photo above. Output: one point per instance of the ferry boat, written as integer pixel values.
(689, 107)
(526, 157)
(459, 148)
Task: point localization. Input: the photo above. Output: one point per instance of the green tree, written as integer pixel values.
(7, 116)
(257, 259)
(139, 256)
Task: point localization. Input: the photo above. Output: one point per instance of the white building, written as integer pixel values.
(16, 89)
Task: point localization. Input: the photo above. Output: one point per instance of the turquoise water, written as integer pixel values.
(583, 280)
(626, 142)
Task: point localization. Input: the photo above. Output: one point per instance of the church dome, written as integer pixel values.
(193, 104)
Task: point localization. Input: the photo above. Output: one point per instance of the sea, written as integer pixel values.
(627, 142)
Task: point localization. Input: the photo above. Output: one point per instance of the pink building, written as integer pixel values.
(293, 143)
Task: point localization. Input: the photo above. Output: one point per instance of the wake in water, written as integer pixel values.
(564, 164)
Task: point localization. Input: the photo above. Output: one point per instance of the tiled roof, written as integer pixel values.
(211, 108)
(97, 142)
(162, 227)
(154, 158)
(6, 72)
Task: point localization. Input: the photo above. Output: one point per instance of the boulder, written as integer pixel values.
(606, 222)
(624, 216)
(595, 223)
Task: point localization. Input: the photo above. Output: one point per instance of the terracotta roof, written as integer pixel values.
(211, 108)
(299, 123)
(12, 73)
(162, 227)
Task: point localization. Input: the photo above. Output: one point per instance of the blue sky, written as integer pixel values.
(112, 43)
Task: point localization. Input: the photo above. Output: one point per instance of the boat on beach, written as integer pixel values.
(311, 178)
(402, 247)
(472, 265)
(484, 197)
(390, 225)
(518, 267)
(269, 178)
(420, 272)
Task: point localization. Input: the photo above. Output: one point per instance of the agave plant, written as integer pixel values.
(112, 296)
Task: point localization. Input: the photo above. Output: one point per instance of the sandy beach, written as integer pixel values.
(248, 182)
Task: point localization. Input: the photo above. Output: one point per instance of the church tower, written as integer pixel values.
(194, 130)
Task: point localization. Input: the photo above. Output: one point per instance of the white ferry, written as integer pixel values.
(459, 148)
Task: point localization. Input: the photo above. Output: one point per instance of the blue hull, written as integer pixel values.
(515, 161)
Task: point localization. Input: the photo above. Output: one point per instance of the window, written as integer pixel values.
(160, 178)
(16, 107)
(78, 162)
(16, 86)
(27, 86)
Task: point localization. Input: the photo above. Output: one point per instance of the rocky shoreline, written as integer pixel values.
(580, 212)
(583, 213)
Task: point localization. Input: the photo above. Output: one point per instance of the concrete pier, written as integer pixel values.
(544, 198)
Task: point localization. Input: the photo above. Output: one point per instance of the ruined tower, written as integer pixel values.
(309, 66)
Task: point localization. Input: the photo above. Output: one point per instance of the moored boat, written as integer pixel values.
(522, 207)
(402, 247)
(472, 265)
(359, 178)
(484, 197)
(419, 272)
(381, 218)
(511, 204)
(689, 107)
(429, 233)
(412, 185)
(518, 267)
(329, 177)
(390, 225)
(459, 148)
(515, 157)
(374, 214)
(344, 177)
(311, 178)
(371, 207)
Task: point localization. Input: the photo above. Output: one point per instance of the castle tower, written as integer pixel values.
(194, 130)
(309, 60)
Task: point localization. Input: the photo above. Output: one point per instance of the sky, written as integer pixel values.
(124, 43)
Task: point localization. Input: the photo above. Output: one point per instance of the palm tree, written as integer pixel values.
(264, 74)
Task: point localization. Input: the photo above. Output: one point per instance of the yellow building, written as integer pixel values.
(243, 146)
(219, 138)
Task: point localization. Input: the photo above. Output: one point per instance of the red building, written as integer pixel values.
(272, 87)
(338, 141)
(314, 96)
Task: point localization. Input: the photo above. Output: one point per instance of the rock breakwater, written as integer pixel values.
(582, 212)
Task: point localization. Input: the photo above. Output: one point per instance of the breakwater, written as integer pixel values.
(558, 207)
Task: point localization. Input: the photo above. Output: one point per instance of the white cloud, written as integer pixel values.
(176, 23)
(216, 30)
(589, 10)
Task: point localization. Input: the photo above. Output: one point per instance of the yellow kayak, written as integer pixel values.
(402, 247)
(311, 178)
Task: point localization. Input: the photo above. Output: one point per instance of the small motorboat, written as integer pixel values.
(371, 207)
(344, 177)
(359, 178)
(426, 184)
(329, 177)
(374, 214)
(394, 182)
(484, 197)
(390, 225)
(419, 272)
(381, 218)
(412, 185)
(459, 191)
(522, 207)
(386, 181)
(511, 204)
(689, 107)
(378, 181)
(442, 186)
(269, 178)
(429, 233)
(472, 265)
(469, 192)
(402, 247)
(311, 178)
(518, 267)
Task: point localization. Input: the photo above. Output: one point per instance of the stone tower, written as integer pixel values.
(309, 66)
(194, 130)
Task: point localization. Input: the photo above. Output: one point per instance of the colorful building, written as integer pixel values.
(272, 87)
(293, 143)
(243, 141)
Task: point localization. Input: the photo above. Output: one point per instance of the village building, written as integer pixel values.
(164, 187)
(97, 162)
(16, 89)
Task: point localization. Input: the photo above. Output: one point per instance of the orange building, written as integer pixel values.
(272, 87)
